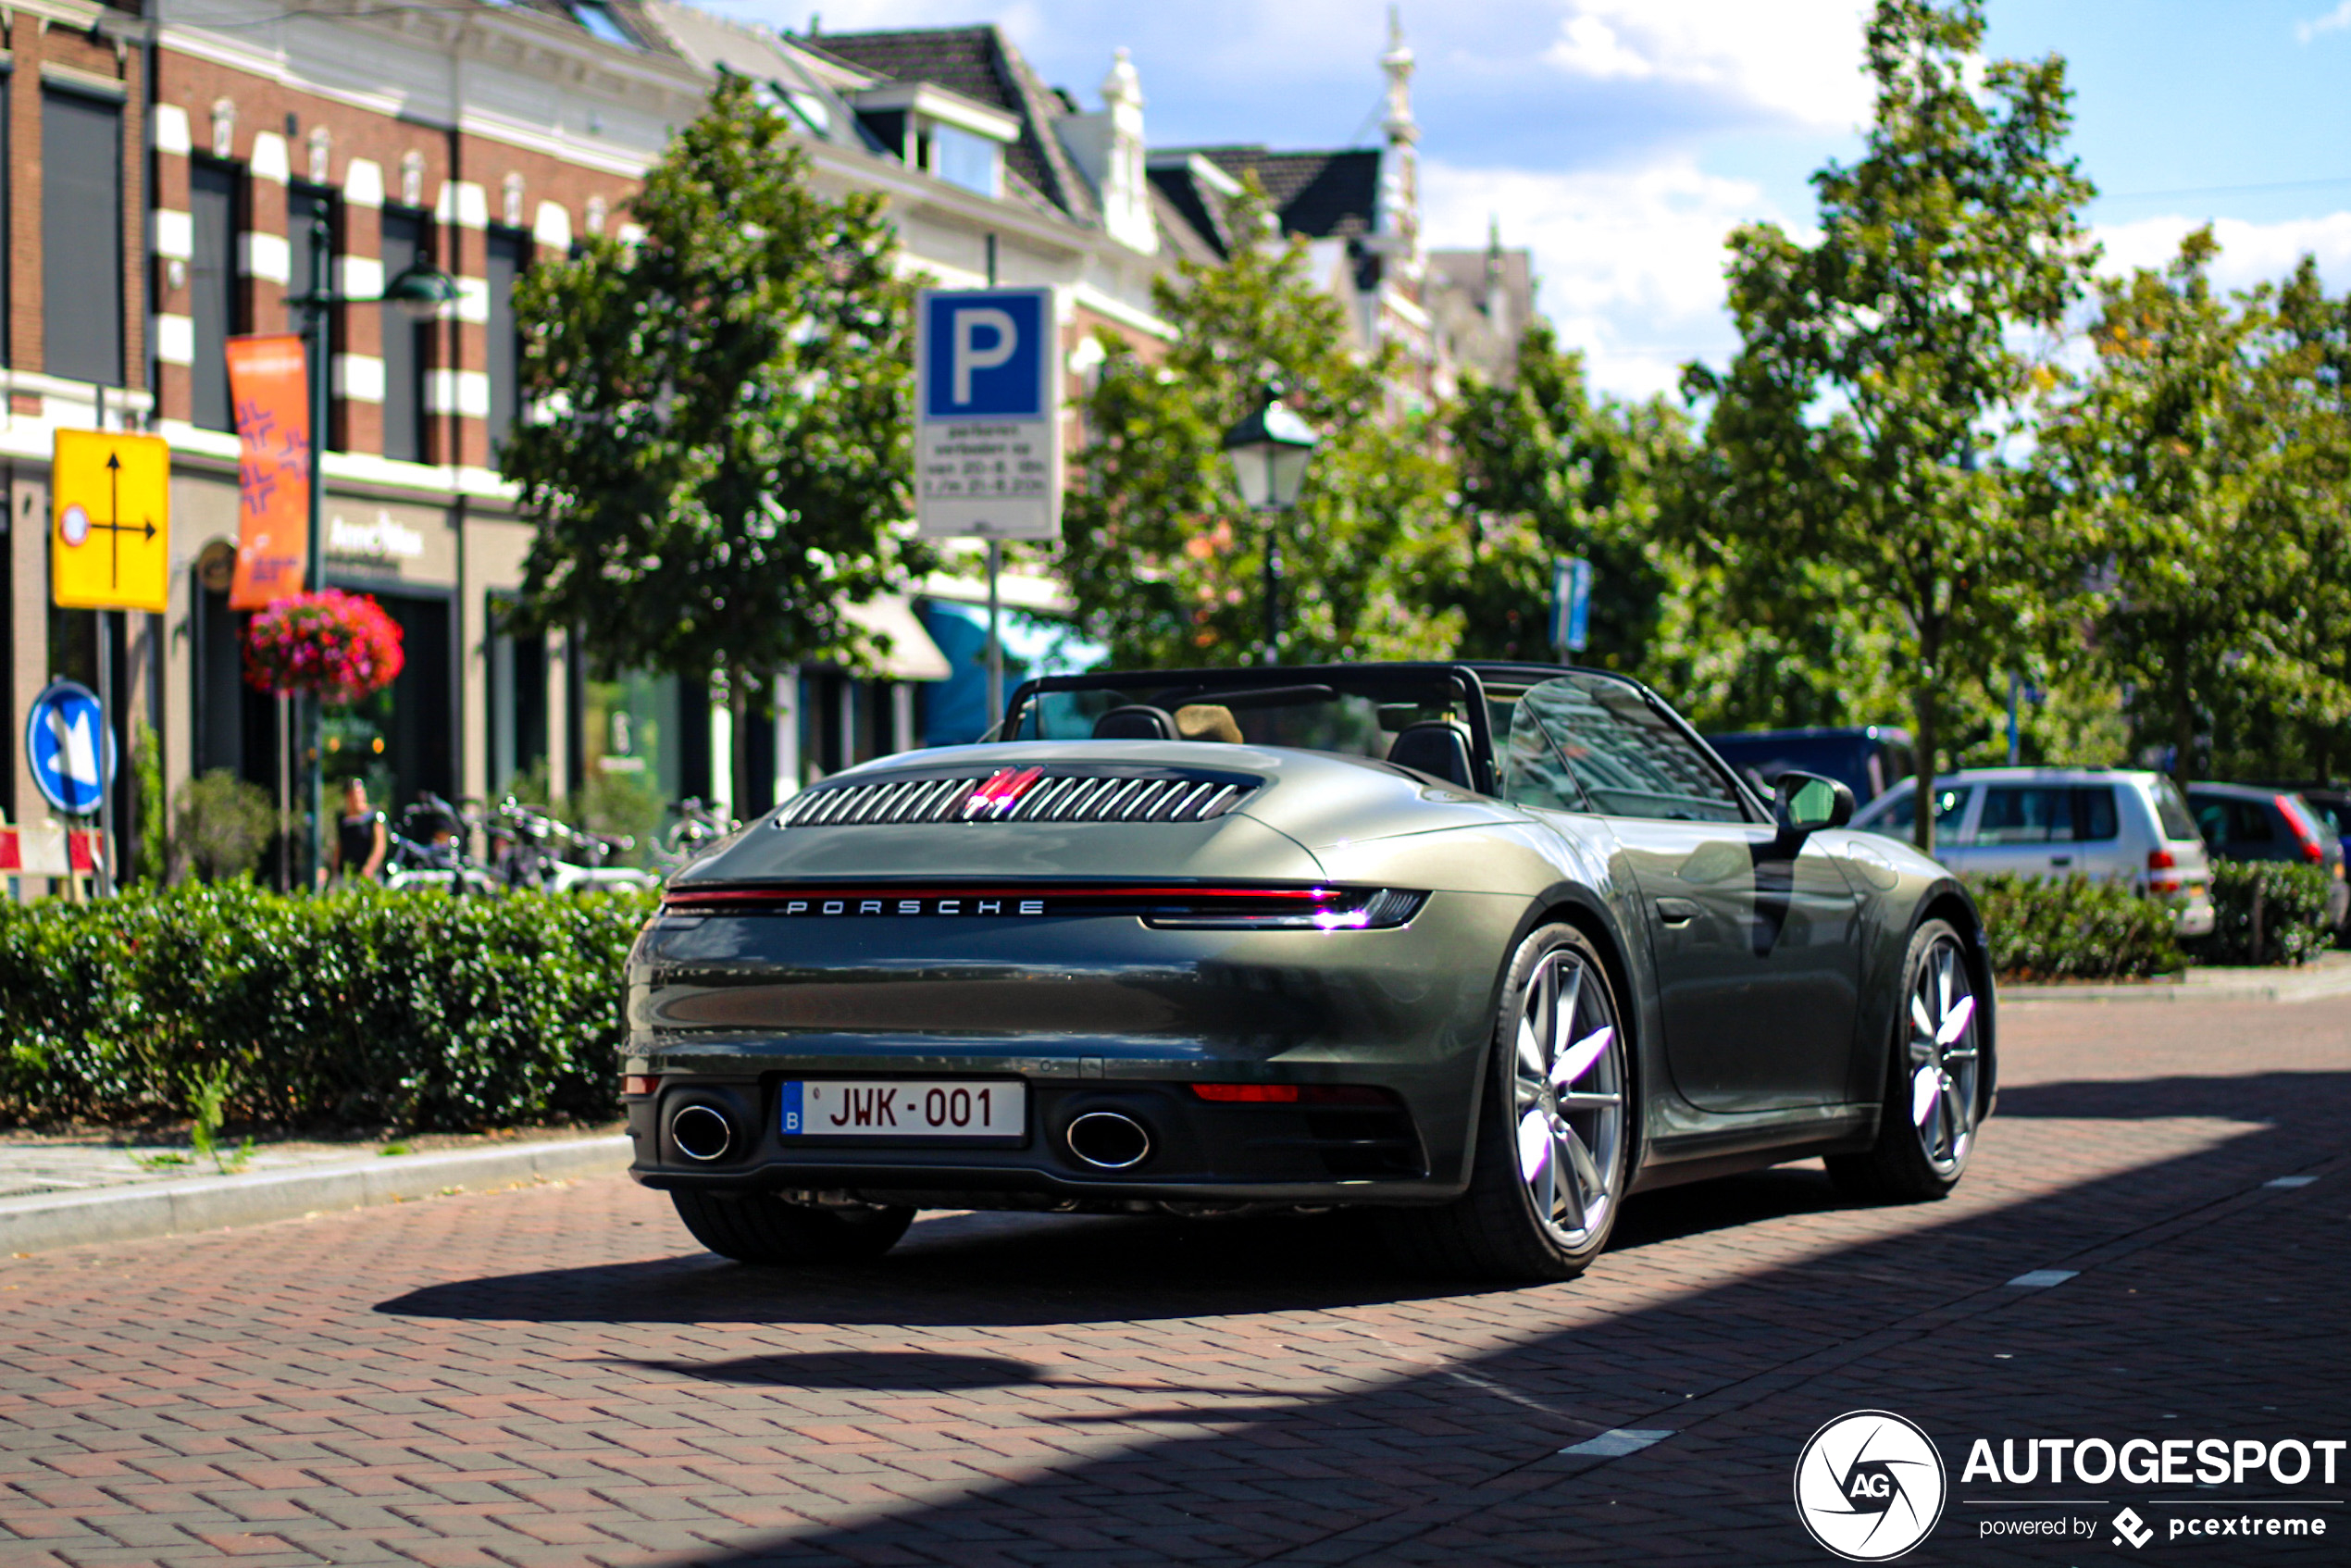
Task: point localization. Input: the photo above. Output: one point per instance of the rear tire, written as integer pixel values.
(762, 1229)
(1554, 1129)
(1934, 1087)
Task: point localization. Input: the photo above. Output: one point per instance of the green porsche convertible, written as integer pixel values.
(1482, 948)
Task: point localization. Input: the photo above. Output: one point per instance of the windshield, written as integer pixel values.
(1359, 716)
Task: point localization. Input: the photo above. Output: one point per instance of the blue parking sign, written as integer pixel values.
(69, 748)
(985, 354)
(988, 443)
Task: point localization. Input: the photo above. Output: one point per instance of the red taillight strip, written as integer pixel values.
(773, 895)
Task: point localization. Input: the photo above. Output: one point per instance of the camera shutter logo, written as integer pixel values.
(1870, 1486)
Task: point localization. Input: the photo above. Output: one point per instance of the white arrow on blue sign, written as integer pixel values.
(69, 747)
(988, 446)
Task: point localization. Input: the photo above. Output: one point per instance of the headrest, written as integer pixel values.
(1137, 721)
(1439, 747)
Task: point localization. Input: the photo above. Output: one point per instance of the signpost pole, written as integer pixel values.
(314, 340)
(995, 565)
(995, 636)
(102, 867)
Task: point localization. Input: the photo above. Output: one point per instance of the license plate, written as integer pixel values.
(903, 1108)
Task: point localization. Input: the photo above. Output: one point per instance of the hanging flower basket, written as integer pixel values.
(339, 646)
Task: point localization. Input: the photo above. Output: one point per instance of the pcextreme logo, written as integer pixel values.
(1870, 1486)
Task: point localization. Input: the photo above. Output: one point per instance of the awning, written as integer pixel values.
(912, 654)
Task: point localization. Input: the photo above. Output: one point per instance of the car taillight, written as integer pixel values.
(1319, 909)
(638, 1086)
(2162, 860)
(2305, 831)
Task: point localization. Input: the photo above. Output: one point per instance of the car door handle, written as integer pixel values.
(1676, 912)
(2060, 860)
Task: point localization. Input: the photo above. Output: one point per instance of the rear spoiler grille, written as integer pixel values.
(1030, 794)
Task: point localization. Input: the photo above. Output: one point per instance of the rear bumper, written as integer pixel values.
(1199, 1150)
(2197, 915)
(1097, 1013)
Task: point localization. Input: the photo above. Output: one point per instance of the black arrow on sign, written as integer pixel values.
(115, 528)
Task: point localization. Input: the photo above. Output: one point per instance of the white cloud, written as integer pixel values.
(1797, 60)
(2250, 253)
(1629, 260)
(2333, 21)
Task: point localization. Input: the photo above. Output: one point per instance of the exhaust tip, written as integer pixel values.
(702, 1133)
(1109, 1141)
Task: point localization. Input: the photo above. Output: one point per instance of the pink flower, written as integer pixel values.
(340, 645)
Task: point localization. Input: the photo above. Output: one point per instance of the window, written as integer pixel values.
(1533, 772)
(2046, 815)
(212, 287)
(82, 237)
(407, 348)
(509, 257)
(307, 207)
(2171, 810)
(960, 158)
(1627, 758)
(1950, 810)
(597, 17)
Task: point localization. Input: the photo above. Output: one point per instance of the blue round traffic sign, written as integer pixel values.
(72, 750)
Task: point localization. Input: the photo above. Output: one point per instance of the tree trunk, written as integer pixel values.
(2183, 731)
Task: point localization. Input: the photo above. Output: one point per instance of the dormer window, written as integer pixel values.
(960, 158)
(943, 133)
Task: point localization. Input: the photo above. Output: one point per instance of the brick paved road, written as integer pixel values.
(556, 1377)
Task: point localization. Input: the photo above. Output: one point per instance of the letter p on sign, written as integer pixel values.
(970, 322)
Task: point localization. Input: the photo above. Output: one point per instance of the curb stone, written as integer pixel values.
(134, 1213)
(2312, 984)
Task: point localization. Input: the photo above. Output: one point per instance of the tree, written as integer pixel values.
(1166, 565)
(1545, 472)
(721, 444)
(1860, 430)
(2177, 457)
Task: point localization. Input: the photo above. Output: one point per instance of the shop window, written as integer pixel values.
(629, 748)
(82, 237)
(517, 700)
(212, 287)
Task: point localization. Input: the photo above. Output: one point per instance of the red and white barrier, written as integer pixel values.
(48, 849)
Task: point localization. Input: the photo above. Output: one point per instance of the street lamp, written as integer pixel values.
(1269, 449)
(420, 290)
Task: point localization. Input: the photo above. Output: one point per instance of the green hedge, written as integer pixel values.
(363, 1006)
(2294, 912)
(2074, 929)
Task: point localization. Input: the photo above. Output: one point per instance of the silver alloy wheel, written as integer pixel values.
(1942, 1058)
(1568, 1083)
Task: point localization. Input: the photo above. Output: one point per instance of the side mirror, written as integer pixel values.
(1806, 802)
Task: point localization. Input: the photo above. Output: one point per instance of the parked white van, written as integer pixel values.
(2055, 821)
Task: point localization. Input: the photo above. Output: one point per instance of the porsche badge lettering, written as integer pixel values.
(913, 906)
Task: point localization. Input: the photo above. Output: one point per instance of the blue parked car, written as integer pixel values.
(1868, 759)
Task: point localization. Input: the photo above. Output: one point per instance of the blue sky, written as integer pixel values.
(1621, 139)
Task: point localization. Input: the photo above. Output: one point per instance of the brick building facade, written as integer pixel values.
(167, 168)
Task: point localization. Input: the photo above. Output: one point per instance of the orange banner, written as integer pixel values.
(272, 395)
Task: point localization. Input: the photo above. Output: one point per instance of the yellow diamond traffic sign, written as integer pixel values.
(110, 521)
